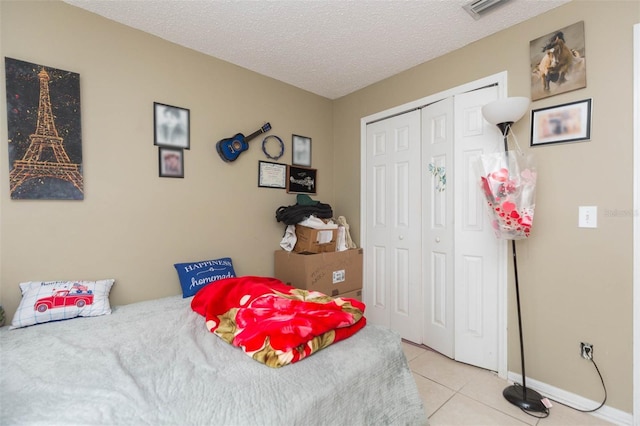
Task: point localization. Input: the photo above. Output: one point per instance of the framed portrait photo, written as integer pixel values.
(170, 126)
(171, 162)
(301, 151)
(569, 122)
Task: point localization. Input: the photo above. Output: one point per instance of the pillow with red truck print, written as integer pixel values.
(44, 301)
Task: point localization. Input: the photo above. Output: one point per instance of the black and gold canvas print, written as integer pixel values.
(45, 138)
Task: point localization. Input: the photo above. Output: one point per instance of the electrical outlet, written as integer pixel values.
(586, 350)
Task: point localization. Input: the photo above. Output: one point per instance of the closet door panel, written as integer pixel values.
(392, 272)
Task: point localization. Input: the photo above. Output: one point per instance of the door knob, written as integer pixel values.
(437, 239)
(401, 237)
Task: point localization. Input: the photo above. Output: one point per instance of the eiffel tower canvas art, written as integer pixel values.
(43, 122)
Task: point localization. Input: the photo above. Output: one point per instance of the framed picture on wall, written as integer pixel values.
(170, 126)
(301, 180)
(558, 62)
(171, 162)
(301, 151)
(272, 175)
(37, 108)
(569, 122)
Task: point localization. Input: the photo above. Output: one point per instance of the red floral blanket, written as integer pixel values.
(274, 323)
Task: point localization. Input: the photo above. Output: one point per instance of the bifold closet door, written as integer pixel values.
(431, 258)
(460, 260)
(393, 225)
(477, 249)
(438, 228)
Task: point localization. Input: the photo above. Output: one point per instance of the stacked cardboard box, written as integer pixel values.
(338, 273)
(310, 240)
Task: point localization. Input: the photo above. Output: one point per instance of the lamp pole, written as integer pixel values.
(525, 398)
(503, 113)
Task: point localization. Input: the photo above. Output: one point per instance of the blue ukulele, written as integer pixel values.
(230, 149)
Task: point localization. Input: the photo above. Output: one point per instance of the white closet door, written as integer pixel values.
(438, 196)
(392, 265)
(433, 267)
(460, 260)
(476, 247)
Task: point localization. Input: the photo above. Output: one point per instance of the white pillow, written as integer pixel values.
(44, 301)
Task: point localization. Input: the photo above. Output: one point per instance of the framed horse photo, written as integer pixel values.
(558, 62)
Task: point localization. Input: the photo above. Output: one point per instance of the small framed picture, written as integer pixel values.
(170, 126)
(301, 151)
(272, 175)
(302, 180)
(569, 122)
(171, 162)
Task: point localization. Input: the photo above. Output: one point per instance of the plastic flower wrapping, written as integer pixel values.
(508, 182)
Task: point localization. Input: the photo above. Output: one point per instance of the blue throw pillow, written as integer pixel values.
(195, 275)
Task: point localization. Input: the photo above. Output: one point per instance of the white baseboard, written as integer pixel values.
(607, 413)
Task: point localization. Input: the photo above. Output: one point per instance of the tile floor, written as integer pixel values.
(459, 394)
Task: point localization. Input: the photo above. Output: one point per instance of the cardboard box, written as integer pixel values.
(329, 273)
(315, 240)
(355, 294)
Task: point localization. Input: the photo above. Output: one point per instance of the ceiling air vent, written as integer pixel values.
(477, 8)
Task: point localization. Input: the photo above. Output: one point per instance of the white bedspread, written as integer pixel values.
(154, 363)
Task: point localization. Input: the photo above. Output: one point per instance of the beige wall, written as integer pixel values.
(132, 225)
(576, 284)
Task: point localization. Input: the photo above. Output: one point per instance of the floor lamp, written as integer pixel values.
(503, 113)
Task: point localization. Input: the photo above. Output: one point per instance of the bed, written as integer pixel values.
(156, 363)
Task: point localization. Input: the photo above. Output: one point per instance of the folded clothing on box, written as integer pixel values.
(304, 208)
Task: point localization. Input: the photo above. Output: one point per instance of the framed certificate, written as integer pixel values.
(272, 175)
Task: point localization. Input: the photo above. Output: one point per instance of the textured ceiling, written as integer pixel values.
(328, 47)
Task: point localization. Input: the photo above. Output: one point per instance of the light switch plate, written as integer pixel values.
(588, 216)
